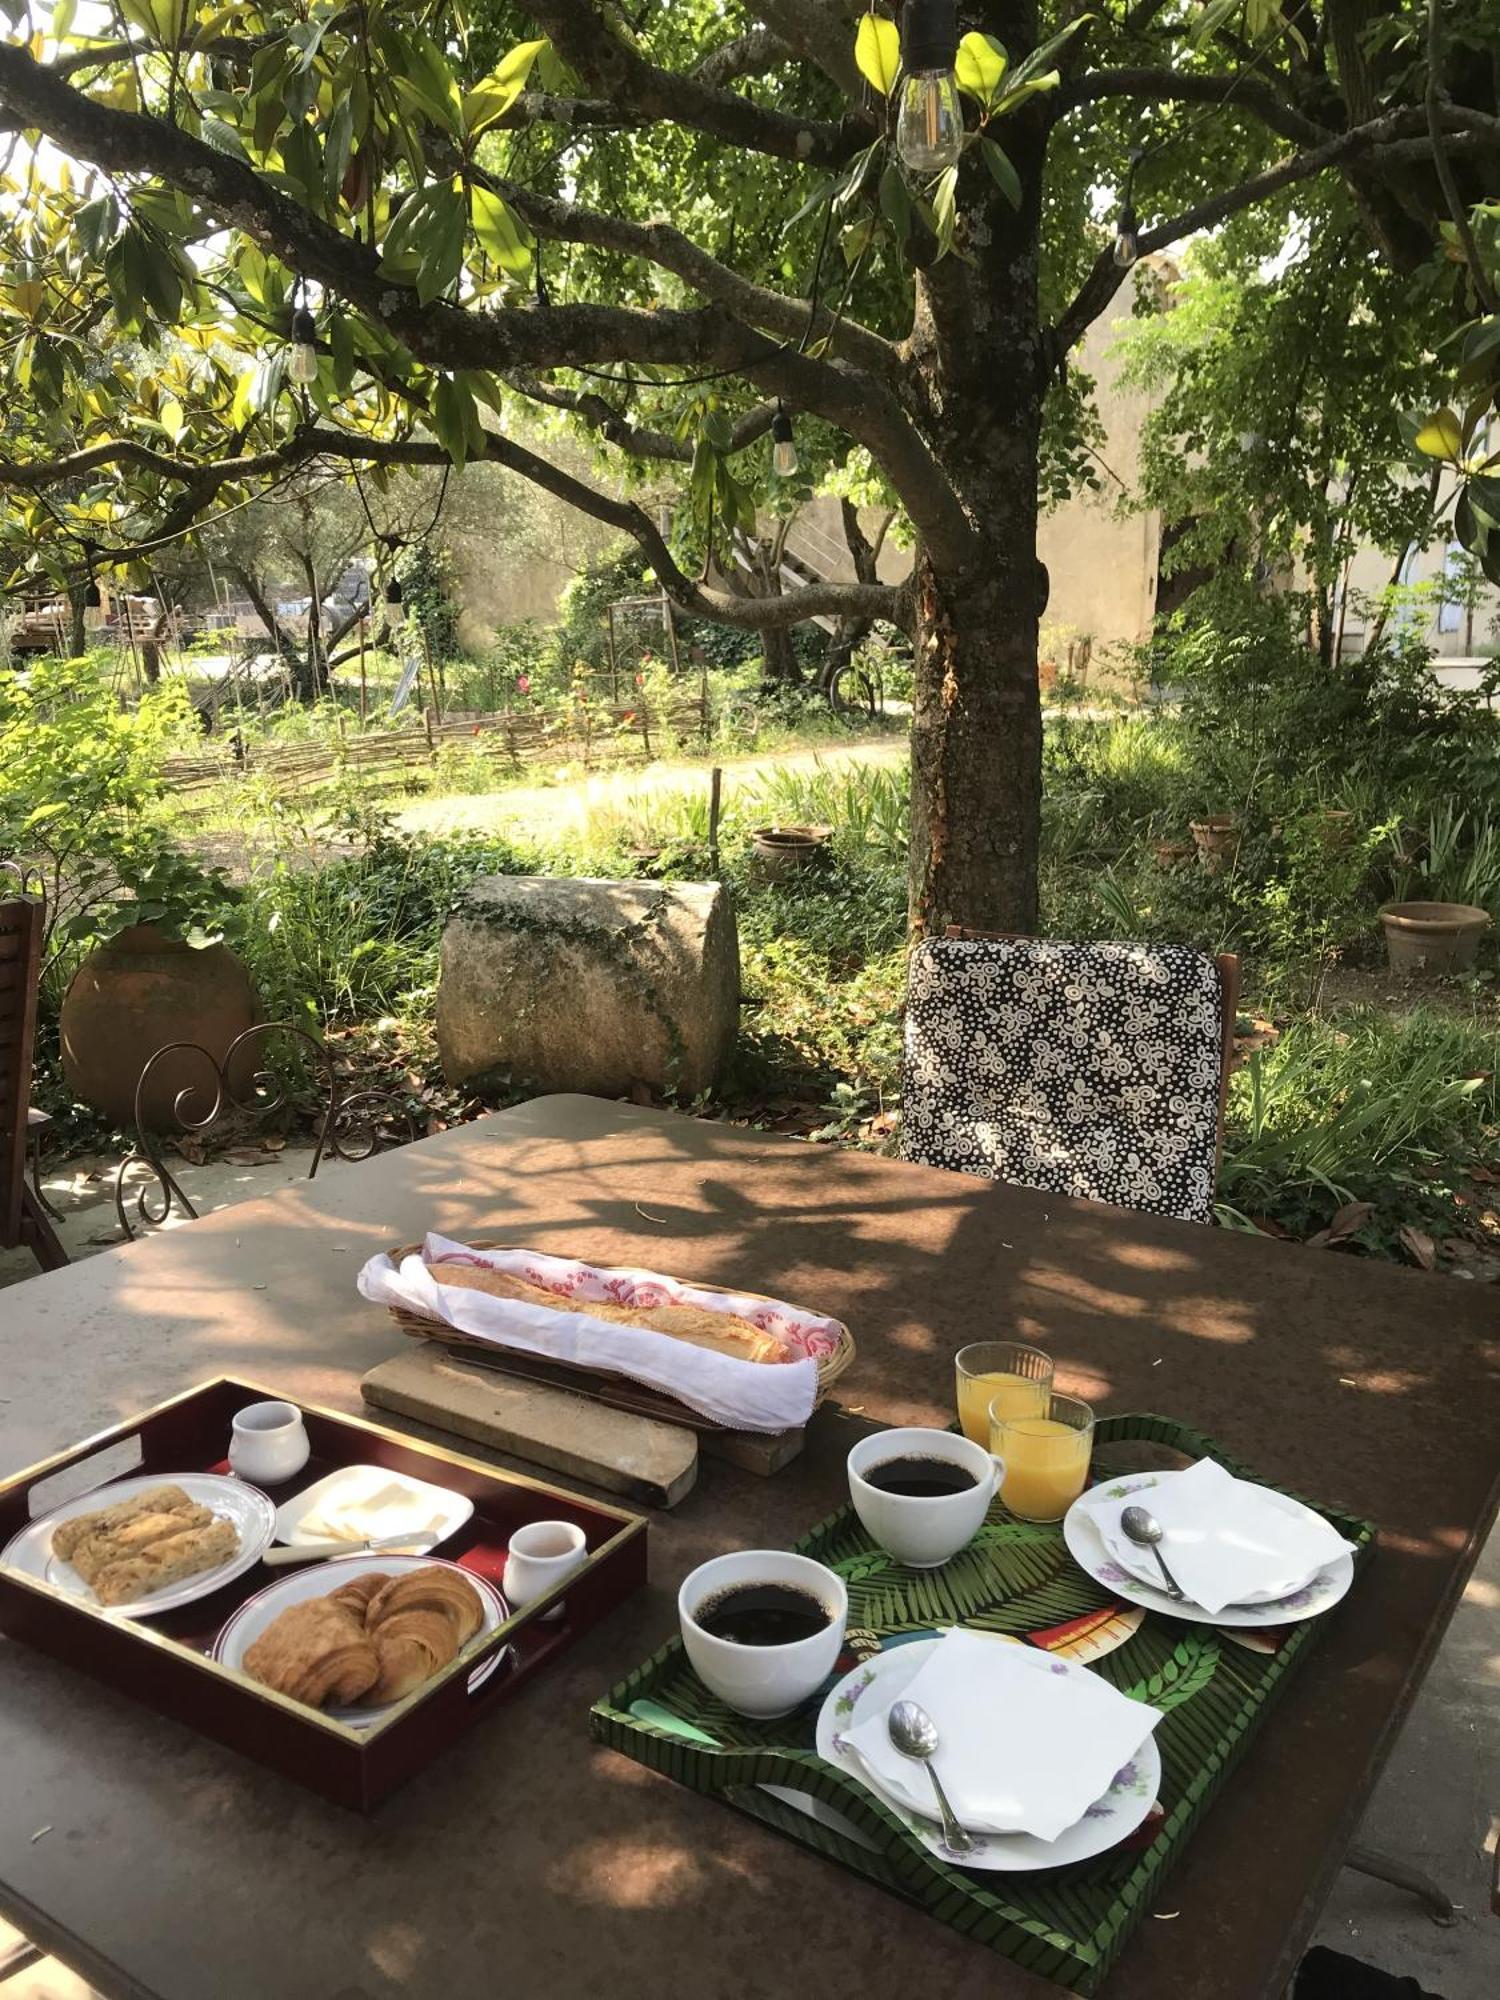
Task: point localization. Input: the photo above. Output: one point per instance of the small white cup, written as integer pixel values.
(923, 1531)
(762, 1681)
(268, 1443)
(542, 1554)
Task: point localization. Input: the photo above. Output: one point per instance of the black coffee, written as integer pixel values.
(763, 1614)
(915, 1478)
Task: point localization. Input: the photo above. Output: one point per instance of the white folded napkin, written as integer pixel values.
(1026, 1742)
(1225, 1540)
(745, 1395)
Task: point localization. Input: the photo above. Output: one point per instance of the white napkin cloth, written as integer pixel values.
(746, 1395)
(1225, 1540)
(1026, 1742)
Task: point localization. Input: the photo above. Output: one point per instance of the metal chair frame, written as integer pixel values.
(349, 1127)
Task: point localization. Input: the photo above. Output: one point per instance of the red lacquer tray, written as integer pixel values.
(165, 1662)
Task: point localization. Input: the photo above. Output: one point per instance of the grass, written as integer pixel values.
(342, 919)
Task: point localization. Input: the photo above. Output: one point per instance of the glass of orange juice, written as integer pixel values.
(995, 1372)
(1046, 1456)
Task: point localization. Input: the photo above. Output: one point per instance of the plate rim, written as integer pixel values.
(174, 1596)
(362, 1720)
(1078, 1524)
(287, 1538)
(932, 1840)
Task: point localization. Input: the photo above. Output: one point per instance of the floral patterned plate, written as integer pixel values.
(1086, 1547)
(1107, 1822)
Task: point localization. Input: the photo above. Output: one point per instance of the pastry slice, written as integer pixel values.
(111, 1545)
(156, 1500)
(167, 1561)
(725, 1332)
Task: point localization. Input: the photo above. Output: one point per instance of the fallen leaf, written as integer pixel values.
(1419, 1246)
(1485, 1174)
(1351, 1217)
(274, 1142)
(246, 1156)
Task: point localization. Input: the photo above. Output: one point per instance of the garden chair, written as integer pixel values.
(1098, 1070)
(23, 1218)
(237, 1090)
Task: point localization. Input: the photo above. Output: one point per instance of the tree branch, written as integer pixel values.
(590, 44)
(660, 244)
(1383, 138)
(750, 54)
(1484, 290)
(1166, 86)
(639, 441)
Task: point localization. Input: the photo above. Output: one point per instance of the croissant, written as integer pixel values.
(411, 1646)
(429, 1589)
(355, 1595)
(315, 1652)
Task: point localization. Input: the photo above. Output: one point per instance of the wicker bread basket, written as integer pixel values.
(421, 1327)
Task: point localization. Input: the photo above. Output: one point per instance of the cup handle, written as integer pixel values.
(997, 1473)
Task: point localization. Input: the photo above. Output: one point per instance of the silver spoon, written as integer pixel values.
(914, 1734)
(1146, 1532)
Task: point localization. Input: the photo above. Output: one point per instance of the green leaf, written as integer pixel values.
(488, 102)
(170, 417)
(1032, 87)
(1441, 436)
(500, 231)
(1044, 52)
(443, 251)
(895, 202)
(62, 19)
(981, 64)
(877, 51)
(858, 173)
(426, 81)
(456, 420)
(1004, 174)
(341, 345)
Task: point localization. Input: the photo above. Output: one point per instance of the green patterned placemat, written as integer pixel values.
(1068, 1923)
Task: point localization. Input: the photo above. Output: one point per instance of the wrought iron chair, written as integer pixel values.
(23, 1216)
(1098, 1070)
(351, 1125)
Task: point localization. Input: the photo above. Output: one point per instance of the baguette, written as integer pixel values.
(725, 1333)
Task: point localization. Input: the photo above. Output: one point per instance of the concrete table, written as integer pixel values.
(527, 1861)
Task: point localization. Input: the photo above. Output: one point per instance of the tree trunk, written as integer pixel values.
(980, 371)
(78, 633)
(303, 678)
(976, 755)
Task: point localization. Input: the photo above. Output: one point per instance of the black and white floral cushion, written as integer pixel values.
(1083, 1069)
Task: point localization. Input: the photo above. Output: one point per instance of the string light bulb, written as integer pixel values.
(304, 363)
(92, 601)
(395, 608)
(930, 120)
(783, 445)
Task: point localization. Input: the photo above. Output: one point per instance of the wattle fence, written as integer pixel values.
(581, 732)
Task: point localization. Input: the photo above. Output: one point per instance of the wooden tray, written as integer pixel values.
(618, 1391)
(165, 1663)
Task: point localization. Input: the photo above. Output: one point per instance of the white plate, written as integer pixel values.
(321, 1580)
(353, 1485)
(1087, 1547)
(1107, 1822)
(251, 1511)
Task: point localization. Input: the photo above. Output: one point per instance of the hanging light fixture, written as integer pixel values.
(783, 445)
(92, 601)
(1127, 230)
(395, 609)
(304, 363)
(930, 122)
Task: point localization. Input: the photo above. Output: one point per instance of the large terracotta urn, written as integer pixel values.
(134, 995)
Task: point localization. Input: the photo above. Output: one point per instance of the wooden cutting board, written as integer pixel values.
(547, 1426)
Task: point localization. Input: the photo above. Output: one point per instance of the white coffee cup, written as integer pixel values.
(762, 1681)
(268, 1443)
(923, 1530)
(542, 1554)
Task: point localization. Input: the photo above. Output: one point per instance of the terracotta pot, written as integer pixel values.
(1171, 853)
(784, 850)
(1432, 937)
(1335, 826)
(134, 995)
(1217, 839)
